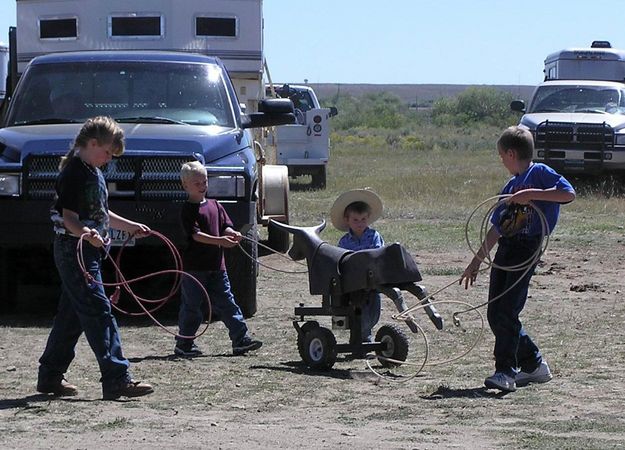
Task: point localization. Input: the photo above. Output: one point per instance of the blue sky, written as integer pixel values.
(423, 41)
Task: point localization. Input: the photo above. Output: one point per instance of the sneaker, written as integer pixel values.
(245, 345)
(131, 388)
(542, 374)
(58, 387)
(501, 381)
(187, 350)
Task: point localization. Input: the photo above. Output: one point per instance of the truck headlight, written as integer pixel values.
(620, 139)
(9, 184)
(226, 186)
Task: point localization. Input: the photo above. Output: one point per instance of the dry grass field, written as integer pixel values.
(269, 399)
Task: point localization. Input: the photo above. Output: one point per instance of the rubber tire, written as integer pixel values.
(243, 273)
(319, 348)
(318, 178)
(397, 345)
(300, 336)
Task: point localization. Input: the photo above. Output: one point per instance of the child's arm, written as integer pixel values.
(221, 241)
(549, 195)
(121, 223)
(72, 223)
(470, 273)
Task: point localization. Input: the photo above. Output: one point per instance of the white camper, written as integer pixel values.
(229, 29)
(4, 69)
(600, 62)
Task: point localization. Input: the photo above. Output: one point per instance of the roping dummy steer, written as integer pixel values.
(345, 279)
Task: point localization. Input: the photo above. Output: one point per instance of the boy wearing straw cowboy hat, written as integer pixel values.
(353, 211)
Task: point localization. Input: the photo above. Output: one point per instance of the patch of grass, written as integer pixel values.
(118, 422)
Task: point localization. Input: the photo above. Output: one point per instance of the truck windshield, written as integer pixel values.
(141, 92)
(575, 99)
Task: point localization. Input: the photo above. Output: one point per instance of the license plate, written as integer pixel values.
(118, 237)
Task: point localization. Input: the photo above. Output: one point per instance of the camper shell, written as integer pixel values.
(599, 62)
(231, 30)
(577, 115)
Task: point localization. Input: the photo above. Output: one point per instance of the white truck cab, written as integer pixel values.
(577, 115)
(304, 147)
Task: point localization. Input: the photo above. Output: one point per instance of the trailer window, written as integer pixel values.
(58, 28)
(215, 26)
(136, 26)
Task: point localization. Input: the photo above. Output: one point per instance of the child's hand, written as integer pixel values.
(94, 238)
(521, 197)
(470, 274)
(139, 230)
(235, 235)
(228, 241)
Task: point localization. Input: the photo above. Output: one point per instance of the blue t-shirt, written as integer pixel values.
(369, 239)
(538, 176)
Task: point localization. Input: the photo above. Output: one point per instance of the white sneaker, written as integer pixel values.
(501, 381)
(542, 374)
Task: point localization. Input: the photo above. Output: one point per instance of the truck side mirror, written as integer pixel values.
(272, 112)
(518, 106)
(333, 111)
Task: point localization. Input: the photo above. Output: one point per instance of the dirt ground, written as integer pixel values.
(269, 399)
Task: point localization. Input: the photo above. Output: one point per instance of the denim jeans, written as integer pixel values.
(82, 308)
(514, 349)
(217, 286)
(370, 315)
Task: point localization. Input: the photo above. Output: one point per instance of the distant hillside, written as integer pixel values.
(422, 94)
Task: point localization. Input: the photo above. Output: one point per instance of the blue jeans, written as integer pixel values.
(83, 308)
(217, 285)
(514, 349)
(370, 315)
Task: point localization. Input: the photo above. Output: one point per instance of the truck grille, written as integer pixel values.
(574, 136)
(135, 177)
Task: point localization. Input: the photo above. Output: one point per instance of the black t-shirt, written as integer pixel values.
(81, 188)
(208, 217)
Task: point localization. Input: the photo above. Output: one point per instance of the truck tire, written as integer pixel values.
(318, 178)
(243, 273)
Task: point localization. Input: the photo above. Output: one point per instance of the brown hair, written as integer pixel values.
(101, 128)
(358, 208)
(518, 140)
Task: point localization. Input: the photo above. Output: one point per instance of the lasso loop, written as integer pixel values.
(122, 282)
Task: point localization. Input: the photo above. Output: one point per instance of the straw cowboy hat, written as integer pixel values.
(356, 195)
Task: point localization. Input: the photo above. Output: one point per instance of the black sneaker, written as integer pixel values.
(245, 345)
(58, 387)
(187, 350)
(130, 388)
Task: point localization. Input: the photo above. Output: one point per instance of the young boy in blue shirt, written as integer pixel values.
(518, 360)
(209, 230)
(353, 211)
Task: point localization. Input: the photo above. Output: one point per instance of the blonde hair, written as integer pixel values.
(191, 168)
(101, 128)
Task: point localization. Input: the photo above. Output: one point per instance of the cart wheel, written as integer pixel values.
(319, 348)
(396, 343)
(300, 337)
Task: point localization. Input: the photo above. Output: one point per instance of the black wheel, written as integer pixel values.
(300, 336)
(396, 345)
(319, 348)
(319, 178)
(243, 272)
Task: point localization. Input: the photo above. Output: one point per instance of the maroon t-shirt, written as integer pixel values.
(208, 217)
